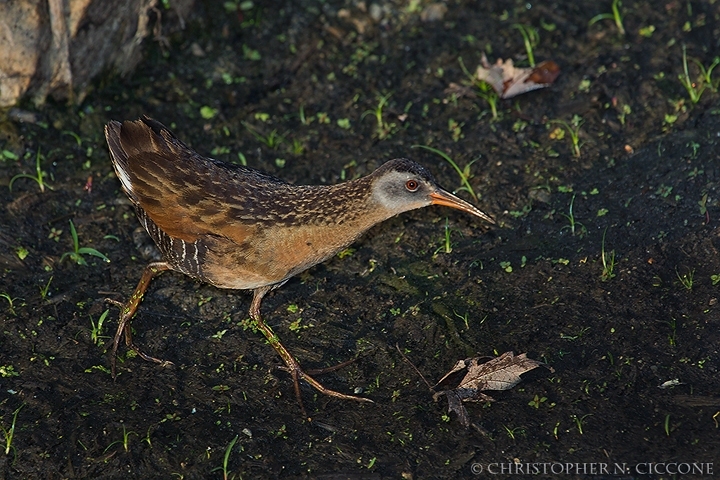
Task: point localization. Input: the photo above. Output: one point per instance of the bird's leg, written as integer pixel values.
(293, 366)
(127, 311)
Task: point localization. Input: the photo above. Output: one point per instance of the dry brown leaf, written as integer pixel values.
(501, 373)
(509, 81)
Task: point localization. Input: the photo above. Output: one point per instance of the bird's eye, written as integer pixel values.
(412, 185)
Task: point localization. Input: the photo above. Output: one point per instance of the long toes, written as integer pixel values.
(112, 301)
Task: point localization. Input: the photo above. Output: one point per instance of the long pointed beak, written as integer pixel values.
(447, 199)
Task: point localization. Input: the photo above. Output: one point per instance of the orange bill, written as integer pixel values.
(447, 199)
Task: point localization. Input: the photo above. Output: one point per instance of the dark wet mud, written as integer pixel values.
(603, 265)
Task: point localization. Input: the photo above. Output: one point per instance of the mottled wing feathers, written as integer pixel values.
(184, 194)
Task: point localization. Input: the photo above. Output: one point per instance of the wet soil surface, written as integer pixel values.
(603, 265)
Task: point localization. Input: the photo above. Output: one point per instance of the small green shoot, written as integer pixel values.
(297, 147)
(686, 279)
(8, 155)
(464, 174)
(672, 337)
(7, 371)
(45, 289)
(537, 401)
(78, 140)
(573, 129)
(383, 129)
(147, 437)
(715, 279)
(574, 224)
(447, 245)
(271, 140)
(9, 433)
(579, 421)
(207, 112)
(226, 459)
(696, 89)
(22, 252)
(455, 129)
(647, 32)
(483, 90)
(623, 112)
(608, 261)
(39, 176)
(667, 424)
(303, 119)
(466, 320)
(487, 93)
(11, 302)
(77, 254)
(97, 328)
(511, 431)
(615, 16)
(531, 37)
(125, 440)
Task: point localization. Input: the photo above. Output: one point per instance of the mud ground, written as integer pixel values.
(634, 350)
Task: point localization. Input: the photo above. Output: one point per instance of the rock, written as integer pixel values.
(57, 47)
(433, 12)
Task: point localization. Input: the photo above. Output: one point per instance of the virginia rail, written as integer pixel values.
(235, 227)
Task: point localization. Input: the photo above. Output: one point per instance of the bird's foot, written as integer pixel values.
(146, 357)
(127, 310)
(124, 328)
(297, 374)
(322, 371)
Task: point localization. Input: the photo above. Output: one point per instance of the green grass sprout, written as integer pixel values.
(464, 174)
(226, 459)
(271, 140)
(9, 433)
(77, 254)
(573, 129)
(11, 302)
(96, 331)
(608, 261)
(125, 441)
(695, 89)
(574, 224)
(446, 247)
(383, 129)
(39, 176)
(483, 90)
(531, 37)
(686, 279)
(45, 290)
(616, 16)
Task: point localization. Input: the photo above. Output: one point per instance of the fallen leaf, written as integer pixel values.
(509, 81)
(470, 377)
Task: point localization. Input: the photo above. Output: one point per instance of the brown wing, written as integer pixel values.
(185, 194)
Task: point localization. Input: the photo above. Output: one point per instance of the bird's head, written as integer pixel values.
(401, 185)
